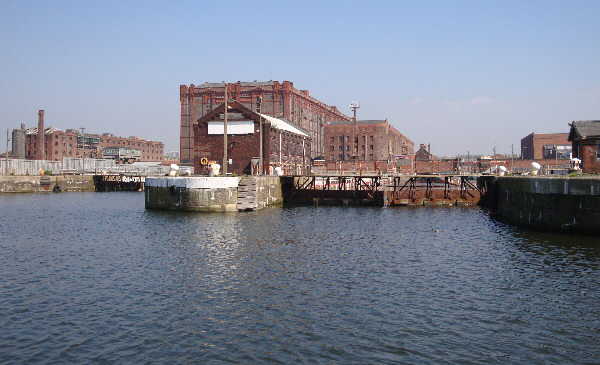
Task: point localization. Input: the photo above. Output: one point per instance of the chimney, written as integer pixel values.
(22, 125)
(429, 148)
(40, 140)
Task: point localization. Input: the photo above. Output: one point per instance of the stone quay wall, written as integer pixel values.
(212, 194)
(46, 183)
(567, 204)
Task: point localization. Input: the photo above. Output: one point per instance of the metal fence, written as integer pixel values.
(78, 166)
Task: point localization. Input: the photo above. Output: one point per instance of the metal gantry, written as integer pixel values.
(378, 190)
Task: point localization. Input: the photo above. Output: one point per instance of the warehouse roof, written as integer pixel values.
(285, 125)
(584, 129)
(343, 122)
(222, 84)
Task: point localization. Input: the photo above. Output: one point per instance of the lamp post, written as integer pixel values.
(260, 135)
(7, 152)
(355, 105)
(225, 135)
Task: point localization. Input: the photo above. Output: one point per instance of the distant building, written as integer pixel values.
(53, 144)
(18, 142)
(424, 153)
(279, 100)
(538, 146)
(376, 140)
(585, 139)
(284, 144)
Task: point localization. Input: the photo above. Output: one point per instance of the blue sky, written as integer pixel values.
(461, 75)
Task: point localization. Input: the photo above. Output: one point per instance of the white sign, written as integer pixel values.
(233, 127)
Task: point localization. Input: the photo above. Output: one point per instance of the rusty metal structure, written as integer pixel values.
(119, 182)
(443, 189)
(377, 190)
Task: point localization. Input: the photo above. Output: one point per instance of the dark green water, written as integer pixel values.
(94, 277)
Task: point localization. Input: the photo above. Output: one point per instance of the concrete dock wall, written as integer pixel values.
(46, 183)
(268, 191)
(568, 204)
(212, 194)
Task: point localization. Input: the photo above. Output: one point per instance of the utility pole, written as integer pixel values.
(225, 135)
(512, 156)
(260, 135)
(494, 160)
(6, 152)
(83, 148)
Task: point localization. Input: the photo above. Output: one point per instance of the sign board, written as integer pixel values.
(233, 127)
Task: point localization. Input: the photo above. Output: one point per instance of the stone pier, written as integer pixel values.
(567, 204)
(212, 194)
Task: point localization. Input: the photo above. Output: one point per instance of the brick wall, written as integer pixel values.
(587, 152)
(376, 141)
(280, 100)
(532, 145)
(293, 155)
(59, 144)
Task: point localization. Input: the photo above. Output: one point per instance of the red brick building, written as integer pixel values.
(538, 146)
(59, 144)
(585, 139)
(284, 144)
(377, 141)
(424, 153)
(279, 100)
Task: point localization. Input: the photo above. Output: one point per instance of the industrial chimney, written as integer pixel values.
(40, 140)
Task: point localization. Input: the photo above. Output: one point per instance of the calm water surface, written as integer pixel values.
(94, 277)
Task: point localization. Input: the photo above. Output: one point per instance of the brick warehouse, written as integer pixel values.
(57, 143)
(284, 144)
(279, 100)
(377, 141)
(544, 146)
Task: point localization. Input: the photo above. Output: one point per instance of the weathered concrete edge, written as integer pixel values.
(561, 204)
(193, 182)
(33, 184)
(208, 194)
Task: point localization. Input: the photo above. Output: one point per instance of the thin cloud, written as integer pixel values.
(452, 103)
(416, 101)
(481, 100)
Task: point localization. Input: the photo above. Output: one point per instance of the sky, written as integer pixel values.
(464, 76)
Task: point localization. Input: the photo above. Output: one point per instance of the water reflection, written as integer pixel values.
(306, 284)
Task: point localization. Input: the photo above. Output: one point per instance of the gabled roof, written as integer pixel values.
(583, 129)
(277, 123)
